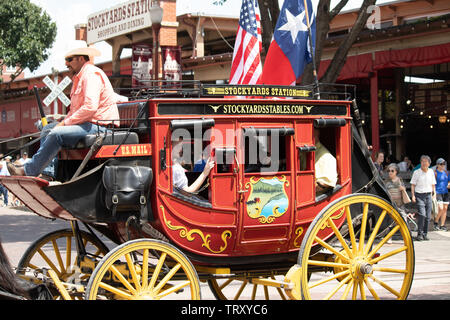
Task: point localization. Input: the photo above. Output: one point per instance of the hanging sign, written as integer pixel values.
(118, 20)
(142, 65)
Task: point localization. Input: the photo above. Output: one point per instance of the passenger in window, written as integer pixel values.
(180, 179)
(325, 167)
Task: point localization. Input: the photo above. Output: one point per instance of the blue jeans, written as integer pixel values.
(424, 205)
(52, 141)
(4, 191)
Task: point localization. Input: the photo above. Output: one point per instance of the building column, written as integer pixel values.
(375, 121)
(399, 102)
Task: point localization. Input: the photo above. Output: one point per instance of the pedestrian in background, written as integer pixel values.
(379, 159)
(442, 197)
(3, 172)
(405, 165)
(423, 188)
(395, 186)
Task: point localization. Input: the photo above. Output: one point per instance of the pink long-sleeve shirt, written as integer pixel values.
(92, 98)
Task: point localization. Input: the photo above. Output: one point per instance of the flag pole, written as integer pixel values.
(316, 81)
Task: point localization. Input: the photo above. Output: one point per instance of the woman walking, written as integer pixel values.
(395, 186)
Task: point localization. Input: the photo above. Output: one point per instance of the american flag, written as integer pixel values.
(246, 67)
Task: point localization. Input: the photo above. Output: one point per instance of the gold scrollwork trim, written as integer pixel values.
(298, 232)
(189, 234)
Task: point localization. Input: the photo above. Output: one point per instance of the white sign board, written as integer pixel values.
(57, 91)
(121, 19)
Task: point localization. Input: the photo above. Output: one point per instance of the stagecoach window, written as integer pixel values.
(326, 169)
(266, 149)
(195, 147)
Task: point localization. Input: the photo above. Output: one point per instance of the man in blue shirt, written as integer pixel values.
(442, 196)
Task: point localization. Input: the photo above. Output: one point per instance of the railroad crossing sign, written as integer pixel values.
(57, 91)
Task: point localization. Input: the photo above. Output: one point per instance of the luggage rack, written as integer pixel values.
(196, 89)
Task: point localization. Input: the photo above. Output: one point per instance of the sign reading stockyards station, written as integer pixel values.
(121, 19)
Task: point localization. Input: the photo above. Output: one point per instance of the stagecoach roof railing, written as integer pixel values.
(193, 88)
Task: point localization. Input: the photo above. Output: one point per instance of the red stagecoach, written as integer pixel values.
(257, 223)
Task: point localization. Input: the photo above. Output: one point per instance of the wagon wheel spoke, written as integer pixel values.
(389, 254)
(118, 292)
(347, 289)
(280, 292)
(362, 232)
(363, 291)
(157, 271)
(49, 262)
(132, 268)
(58, 256)
(341, 283)
(68, 251)
(351, 231)
(255, 287)
(384, 240)
(238, 294)
(341, 240)
(166, 279)
(173, 289)
(335, 276)
(330, 248)
(225, 284)
(122, 279)
(375, 232)
(372, 291)
(385, 285)
(144, 280)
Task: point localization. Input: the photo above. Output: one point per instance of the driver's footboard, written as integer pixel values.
(31, 192)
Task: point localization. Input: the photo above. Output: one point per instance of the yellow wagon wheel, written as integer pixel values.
(354, 262)
(246, 288)
(57, 251)
(144, 269)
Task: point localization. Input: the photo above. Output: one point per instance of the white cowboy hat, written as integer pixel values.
(86, 51)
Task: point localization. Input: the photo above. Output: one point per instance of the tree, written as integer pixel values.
(26, 35)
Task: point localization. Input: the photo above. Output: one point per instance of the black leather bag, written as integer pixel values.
(127, 191)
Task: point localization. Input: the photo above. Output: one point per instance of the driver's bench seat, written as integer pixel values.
(111, 138)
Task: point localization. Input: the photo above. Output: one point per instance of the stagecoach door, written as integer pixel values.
(265, 187)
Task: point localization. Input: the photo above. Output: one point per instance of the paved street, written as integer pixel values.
(19, 228)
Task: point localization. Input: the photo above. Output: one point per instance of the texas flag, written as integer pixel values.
(289, 51)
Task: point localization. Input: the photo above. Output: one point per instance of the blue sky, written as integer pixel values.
(67, 14)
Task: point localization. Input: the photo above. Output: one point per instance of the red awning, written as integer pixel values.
(412, 57)
(361, 65)
(355, 67)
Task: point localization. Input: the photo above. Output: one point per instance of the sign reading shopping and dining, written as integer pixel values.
(120, 19)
